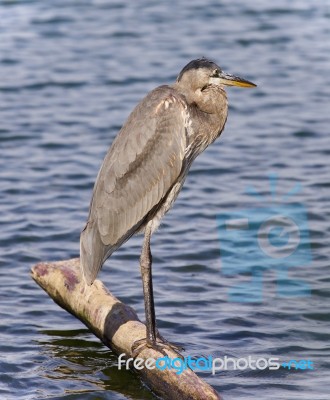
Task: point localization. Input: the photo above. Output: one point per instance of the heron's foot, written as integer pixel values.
(160, 344)
(174, 347)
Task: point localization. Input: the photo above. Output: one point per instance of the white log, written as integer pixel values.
(117, 326)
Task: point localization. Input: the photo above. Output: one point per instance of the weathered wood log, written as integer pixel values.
(118, 327)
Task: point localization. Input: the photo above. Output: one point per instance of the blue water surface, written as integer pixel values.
(70, 73)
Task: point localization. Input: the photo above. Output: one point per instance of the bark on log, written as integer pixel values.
(117, 326)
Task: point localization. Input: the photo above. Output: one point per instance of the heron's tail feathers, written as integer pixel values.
(93, 252)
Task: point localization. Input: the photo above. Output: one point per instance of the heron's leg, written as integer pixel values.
(153, 338)
(146, 273)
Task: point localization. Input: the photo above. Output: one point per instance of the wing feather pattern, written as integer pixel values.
(140, 168)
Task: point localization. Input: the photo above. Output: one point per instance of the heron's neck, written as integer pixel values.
(208, 115)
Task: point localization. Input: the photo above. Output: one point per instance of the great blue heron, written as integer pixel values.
(145, 168)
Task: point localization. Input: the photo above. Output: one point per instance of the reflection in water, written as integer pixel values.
(86, 365)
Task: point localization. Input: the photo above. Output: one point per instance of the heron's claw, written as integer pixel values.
(160, 344)
(174, 347)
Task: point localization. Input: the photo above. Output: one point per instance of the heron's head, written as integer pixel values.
(201, 73)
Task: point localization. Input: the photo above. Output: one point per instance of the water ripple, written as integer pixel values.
(70, 74)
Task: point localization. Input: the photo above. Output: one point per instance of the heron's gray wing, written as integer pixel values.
(140, 168)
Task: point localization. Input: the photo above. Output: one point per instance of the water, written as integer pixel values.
(70, 72)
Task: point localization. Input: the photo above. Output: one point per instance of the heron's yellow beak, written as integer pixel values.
(232, 80)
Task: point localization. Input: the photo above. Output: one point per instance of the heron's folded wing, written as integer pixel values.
(138, 171)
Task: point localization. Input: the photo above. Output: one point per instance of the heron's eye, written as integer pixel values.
(215, 74)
